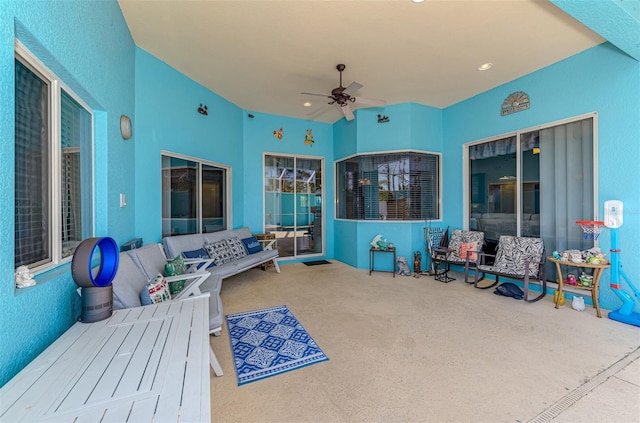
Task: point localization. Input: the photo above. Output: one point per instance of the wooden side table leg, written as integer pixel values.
(560, 283)
(594, 290)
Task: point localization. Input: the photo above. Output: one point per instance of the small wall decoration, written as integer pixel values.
(383, 119)
(203, 110)
(515, 102)
(308, 139)
(278, 134)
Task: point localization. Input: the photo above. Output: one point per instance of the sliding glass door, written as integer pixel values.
(293, 203)
(535, 183)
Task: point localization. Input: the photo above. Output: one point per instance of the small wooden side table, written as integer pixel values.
(597, 272)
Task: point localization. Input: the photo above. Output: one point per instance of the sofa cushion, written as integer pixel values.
(252, 245)
(156, 291)
(149, 258)
(127, 284)
(200, 253)
(236, 246)
(219, 252)
(175, 267)
(471, 248)
(175, 245)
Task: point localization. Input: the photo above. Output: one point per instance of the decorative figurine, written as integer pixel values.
(374, 243)
(382, 244)
(403, 268)
(23, 277)
(417, 264)
(578, 303)
(308, 139)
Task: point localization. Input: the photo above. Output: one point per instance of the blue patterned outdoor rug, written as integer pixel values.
(268, 342)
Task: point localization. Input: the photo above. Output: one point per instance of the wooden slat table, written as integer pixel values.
(597, 272)
(140, 365)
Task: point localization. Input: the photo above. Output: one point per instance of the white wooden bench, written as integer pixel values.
(144, 364)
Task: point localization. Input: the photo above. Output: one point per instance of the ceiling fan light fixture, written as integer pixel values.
(485, 66)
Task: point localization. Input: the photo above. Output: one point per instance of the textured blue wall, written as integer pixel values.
(167, 119)
(259, 139)
(410, 127)
(89, 46)
(601, 79)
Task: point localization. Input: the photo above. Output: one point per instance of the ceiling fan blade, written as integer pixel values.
(373, 102)
(347, 112)
(321, 95)
(352, 88)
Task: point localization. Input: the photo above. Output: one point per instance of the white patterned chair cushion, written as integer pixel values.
(219, 252)
(513, 253)
(458, 237)
(236, 246)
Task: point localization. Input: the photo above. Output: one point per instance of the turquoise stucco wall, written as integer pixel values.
(410, 127)
(259, 139)
(601, 79)
(88, 45)
(167, 119)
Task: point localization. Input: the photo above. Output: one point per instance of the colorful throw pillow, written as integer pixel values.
(252, 245)
(236, 246)
(219, 252)
(156, 291)
(470, 247)
(174, 268)
(200, 253)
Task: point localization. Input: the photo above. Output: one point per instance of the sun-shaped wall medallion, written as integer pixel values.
(515, 102)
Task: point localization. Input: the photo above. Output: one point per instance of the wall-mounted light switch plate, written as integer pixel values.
(123, 200)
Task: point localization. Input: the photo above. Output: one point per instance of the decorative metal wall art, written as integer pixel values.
(515, 102)
(203, 110)
(278, 134)
(308, 139)
(383, 119)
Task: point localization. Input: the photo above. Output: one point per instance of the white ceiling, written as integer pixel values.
(262, 54)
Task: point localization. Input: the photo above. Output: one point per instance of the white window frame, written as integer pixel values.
(373, 153)
(24, 55)
(465, 164)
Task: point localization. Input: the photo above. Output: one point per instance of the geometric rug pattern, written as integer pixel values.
(268, 342)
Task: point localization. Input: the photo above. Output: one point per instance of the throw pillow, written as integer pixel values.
(156, 291)
(200, 253)
(219, 252)
(252, 245)
(470, 247)
(174, 268)
(236, 247)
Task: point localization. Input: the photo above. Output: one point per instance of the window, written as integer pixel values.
(194, 196)
(397, 186)
(53, 166)
(535, 183)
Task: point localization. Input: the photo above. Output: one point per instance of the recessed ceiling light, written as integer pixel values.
(417, 1)
(307, 104)
(485, 66)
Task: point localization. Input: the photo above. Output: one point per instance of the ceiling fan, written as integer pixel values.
(343, 97)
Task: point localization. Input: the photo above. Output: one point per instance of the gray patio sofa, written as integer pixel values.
(177, 244)
(138, 266)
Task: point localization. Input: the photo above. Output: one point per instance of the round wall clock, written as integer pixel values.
(125, 127)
